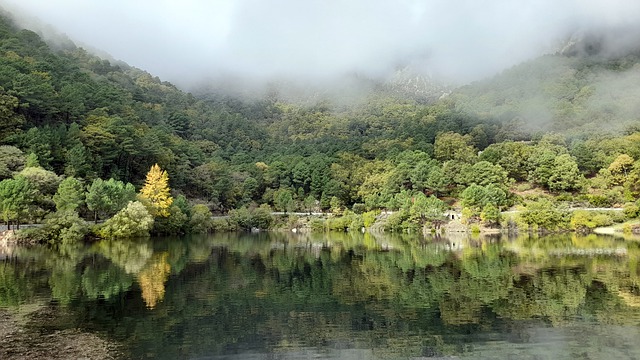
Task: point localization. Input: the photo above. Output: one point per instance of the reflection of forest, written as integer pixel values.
(397, 295)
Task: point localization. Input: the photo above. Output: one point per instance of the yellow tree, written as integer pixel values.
(155, 193)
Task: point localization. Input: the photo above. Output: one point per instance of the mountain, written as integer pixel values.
(591, 83)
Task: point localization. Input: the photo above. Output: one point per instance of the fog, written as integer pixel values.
(455, 41)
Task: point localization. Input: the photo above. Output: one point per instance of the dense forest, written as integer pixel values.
(557, 132)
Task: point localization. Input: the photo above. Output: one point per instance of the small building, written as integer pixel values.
(453, 215)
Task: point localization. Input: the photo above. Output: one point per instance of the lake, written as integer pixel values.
(338, 296)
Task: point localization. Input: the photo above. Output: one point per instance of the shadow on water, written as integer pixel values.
(337, 295)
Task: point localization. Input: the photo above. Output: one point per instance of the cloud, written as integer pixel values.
(458, 40)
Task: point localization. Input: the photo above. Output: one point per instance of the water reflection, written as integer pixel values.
(341, 295)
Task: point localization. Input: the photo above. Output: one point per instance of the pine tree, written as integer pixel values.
(70, 195)
(156, 193)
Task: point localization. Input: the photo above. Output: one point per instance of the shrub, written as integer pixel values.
(601, 219)
(356, 223)
(317, 225)
(359, 208)
(173, 224)
(220, 225)
(396, 220)
(60, 227)
(201, 221)
(369, 218)
(261, 217)
(340, 223)
(240, 219)
(245, 219)
(132, 221)
(631, 210)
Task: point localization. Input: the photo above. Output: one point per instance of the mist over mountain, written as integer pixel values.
(194, 42)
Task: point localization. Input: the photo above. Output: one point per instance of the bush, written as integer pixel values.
(261, 217)
(240, 219)
(340, 223)
(601, 219)
(173, 224)
(598, 201)
(245, 219)
(543, 213)
(369, 218)
(355, 222)
(631, 210)
(359, 208)
(60, 227)
(132, 221)
(317, 225)
(220, 225)
(201, 221)
(396, 221)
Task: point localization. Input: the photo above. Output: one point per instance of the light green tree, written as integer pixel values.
(565, 175)
(105, 198)
(70, 195)
(428, 209)
(132, 221)
(16, 197)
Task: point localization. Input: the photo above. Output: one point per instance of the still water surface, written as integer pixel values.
(337, 296)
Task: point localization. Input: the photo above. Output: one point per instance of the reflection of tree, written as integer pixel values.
(104, 281)
(409, 299)
(152, 278)
(15, 286)
(131, 255)
(556, 295)
(65, 284)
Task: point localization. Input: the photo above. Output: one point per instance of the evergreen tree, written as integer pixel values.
(70, 195)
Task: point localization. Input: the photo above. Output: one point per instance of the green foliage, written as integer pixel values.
(283, 200)
(338, 223)
(32, 161)
(16, 199)
(45, 181)
(70, 195)
(544, 214)
(11, 161)
(369, 218)
(200, 221)
(585, 221)
(511, 156)
(317, 225)
(173, 224)
(454, 146)
(631, 210)
(105, 198)
(565, 175)
(397, 221)
(477, 197)
(254, 218)
(427, 209)
(261, 217)
(61, 227)
(490, 214)
(132, 221)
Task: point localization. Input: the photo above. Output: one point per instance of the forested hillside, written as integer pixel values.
(563, 124)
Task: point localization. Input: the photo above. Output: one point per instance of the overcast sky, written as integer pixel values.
(460, 40)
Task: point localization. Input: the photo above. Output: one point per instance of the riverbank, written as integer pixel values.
(32, 334)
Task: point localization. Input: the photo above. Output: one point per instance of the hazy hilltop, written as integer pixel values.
(592, 82)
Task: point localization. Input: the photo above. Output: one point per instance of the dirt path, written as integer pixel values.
(22, 337)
